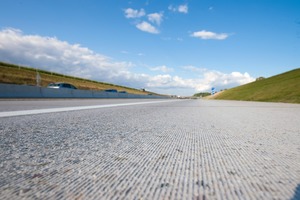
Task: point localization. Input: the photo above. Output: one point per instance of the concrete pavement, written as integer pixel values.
(190, 149)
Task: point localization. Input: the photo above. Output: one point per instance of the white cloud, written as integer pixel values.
(172, 8)
(206, 35)
(145, 26)
(210, 79)
(131, 13)
(181, 8)
(155, 18)
(213, 78)
(55, 55)
(52, 54)
(162, 68)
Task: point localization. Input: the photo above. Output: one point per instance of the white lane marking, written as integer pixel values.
(64, 109)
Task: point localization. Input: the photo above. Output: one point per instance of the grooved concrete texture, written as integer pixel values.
(191, 149)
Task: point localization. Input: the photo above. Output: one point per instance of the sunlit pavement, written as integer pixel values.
(189, 149)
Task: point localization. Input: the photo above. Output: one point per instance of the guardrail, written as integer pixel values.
(27, 91)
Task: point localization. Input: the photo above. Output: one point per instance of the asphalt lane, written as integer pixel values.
(189, 149)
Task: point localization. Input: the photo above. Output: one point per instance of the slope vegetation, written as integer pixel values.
(280, 88)
(14, 74)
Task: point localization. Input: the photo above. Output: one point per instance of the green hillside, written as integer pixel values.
(280, 88)
(14, 74)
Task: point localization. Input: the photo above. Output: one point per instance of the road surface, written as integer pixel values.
(183, 149)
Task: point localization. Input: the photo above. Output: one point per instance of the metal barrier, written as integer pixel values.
(27, 91)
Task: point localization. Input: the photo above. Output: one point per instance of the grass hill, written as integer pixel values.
(280, 88)
(202, 94)
(14, 74)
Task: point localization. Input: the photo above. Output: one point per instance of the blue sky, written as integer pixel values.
(172, 47)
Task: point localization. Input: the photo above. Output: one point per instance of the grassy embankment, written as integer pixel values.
(14, 74)
(280, 88)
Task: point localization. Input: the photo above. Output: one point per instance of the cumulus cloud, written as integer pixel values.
(206, 35)
(210, 78)
(52, 54)
(181, 8)
(162, 68)
(131, 13)
(172, 8)
(213, 78)
(147, 27)
(55, 55)
(155, 18)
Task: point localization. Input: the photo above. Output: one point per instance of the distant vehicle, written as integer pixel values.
(61, 85)
(122, 92)
(111, 90)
